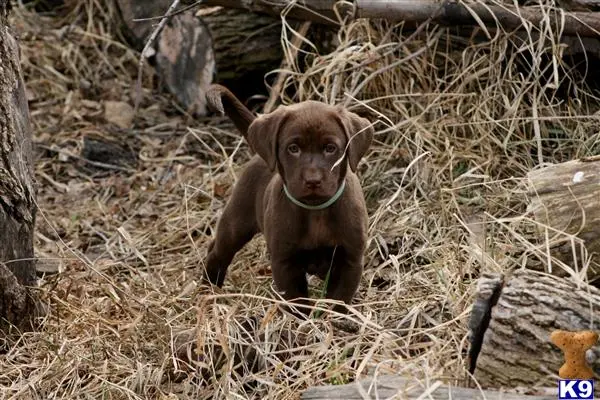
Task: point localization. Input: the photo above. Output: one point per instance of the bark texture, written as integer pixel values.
(576, 23)
(17, 205)
(516, 350)
(319, 11)
(244, 44)
(566, 198)
(15, 302)
(229, 46)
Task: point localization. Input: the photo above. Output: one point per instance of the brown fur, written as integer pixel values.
(221, 100)
(299, 241)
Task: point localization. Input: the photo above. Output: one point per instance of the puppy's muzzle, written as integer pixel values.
(313, 178)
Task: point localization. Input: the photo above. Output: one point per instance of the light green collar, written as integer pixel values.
(321, 206)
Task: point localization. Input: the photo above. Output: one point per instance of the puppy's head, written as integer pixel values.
(304, 141)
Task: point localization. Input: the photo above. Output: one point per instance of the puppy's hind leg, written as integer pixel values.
(234, 230)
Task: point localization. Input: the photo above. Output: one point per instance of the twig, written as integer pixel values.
(277, 87)
(174, 13)
(160, 26)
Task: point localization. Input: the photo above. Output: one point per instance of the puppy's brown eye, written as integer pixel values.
(330, 148)
(293, 149)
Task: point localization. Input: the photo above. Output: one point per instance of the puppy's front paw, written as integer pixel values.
(213, 277)
(300, 309)
(215, 268)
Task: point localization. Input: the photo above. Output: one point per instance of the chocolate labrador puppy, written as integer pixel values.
(301, 191)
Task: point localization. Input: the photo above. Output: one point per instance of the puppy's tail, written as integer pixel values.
(221, 100)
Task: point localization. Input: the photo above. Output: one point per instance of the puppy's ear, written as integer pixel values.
(263, 133)
(359, 133)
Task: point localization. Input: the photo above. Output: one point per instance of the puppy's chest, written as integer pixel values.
(318, 231)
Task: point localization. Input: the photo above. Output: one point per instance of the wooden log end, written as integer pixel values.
(563, 199)
(186, 61)
(183, 53)
(517, 351)
(233, 47)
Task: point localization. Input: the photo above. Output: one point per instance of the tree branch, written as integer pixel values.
(449, 13)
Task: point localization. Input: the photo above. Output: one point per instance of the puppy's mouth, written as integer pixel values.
(313, 198)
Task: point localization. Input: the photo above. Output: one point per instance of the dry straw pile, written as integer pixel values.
(460, 120)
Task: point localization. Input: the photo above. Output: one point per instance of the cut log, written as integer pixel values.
(444, 13)
(229, 46)
(318, 11)
(566, 198)
(389, 386)
(515, 348)
(17, 194)
(510, 329)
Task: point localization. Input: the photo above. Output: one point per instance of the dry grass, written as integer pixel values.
(459, 124)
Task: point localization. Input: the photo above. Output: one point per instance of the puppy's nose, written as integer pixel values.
(313, 184)
(313, 178)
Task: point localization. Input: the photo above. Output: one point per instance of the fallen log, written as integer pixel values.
(584, 5)
(511, 323)
(388, 386)
(246, 47)
(510, 348)
(565, 201)
(577, 23)
(453, 13)
(318, 11)
(229, 46)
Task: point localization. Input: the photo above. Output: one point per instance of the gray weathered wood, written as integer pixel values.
(516, 350)
(455, 13)
(17, 205)
(15, 303)
(384, 387)
(319, 11)
(580, 5)
(185, 61)
(524, 308)
(445, 13)
(196, 48)
(566, 198)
